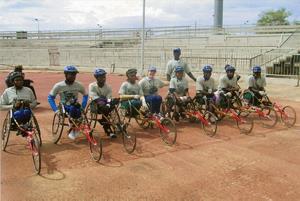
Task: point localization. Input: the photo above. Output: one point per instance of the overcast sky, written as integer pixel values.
(86, 14)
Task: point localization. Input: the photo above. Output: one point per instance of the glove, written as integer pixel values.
(209, 91)
(228, 94)
(262, 93)
(183, 98)
(136, 96)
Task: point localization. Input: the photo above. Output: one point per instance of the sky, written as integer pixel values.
(16, 15)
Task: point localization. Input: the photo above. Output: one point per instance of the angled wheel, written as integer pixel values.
(5, 131)
(168, 131)
(245, 125)
(57, 126)
(95, 147)
(36, 126)
(36, 153)
(129, 138)
(268, 117)
(91, 114)
(211, 124)
(288, 116)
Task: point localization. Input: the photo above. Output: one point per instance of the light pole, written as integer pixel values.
(143, 39)
(100, 30)
(38, 27)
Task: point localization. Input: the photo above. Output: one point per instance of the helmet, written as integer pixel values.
(177, 50)
(152, 68)
(15, 75)
(207, 69)
(256, 69)
(179, 69)
(18, 68)
(70, 69)
(131, 71)
(99, 72)
(229, 68)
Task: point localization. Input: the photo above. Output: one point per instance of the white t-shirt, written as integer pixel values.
(67, 92)
(257, 83)
(130, 89)
(205, 85)
(96, 92)
(172, 64)
(150, 86)
(225, 82)
(179, 85)
(11, 93)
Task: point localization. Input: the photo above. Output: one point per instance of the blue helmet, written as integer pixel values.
(70, 69)
(229, 68)
(207, 69)
(179, 69)
(177, 50)
(152, 68)
(256, 69)
(99, 72)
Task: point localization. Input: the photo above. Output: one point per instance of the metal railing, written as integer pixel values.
(152, 32)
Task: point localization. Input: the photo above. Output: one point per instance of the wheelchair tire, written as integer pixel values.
(5, 131)
(57, 126)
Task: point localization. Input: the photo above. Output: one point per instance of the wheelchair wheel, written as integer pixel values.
(57, 126)
(269, 117)
(168, 131)
(288, 116)
(245, 125)
(37, 128)
(36, 153)
(5, 131)
(91, 116)
(95, 147)
(211, 124)
(142, 121)
(129, 138)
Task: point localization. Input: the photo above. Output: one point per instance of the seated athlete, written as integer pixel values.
(257, 84)
(178, 92)
(205, 85)
(68, 91)
(101, 93)
(150, 86)
(130, 89)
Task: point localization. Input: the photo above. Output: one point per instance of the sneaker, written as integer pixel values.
(73, 134)
(112, 135)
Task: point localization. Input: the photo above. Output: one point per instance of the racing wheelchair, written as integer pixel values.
(21, 120)
(114, 120)
(77, 120)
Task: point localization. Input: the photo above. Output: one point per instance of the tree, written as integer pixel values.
(274, 17)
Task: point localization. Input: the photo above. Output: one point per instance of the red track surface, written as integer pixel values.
(230, 166)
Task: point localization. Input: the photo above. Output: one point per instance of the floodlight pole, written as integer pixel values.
(143, 40)
(38, 27)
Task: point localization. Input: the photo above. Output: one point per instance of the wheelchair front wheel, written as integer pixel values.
(5, 131)
(57, 126)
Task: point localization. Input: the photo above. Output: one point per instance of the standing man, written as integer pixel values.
(172, 64)
(68, 91)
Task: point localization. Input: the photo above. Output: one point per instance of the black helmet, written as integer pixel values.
(14, 75)
(131, 71)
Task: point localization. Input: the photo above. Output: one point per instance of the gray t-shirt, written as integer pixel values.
(225, 82)
(257, 83)
(130, 89)
(151, 86)
(172, 64)
(96, 92)
(179, 85)
(11, 93)
(67, 92)
(205, 85)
